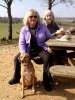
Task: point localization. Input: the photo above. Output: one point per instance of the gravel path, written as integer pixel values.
(64, 91)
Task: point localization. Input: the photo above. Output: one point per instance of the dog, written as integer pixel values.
(27, 73)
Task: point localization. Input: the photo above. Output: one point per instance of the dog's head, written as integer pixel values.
(25, 58)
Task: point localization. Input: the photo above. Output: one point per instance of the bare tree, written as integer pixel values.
(8, 7)
(8, 4)
(51, 3)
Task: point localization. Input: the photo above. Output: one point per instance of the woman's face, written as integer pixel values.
(49, 19)
(32, 20)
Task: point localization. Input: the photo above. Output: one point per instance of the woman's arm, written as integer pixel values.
(22, 42)
(47, 33)
(47, 36)
(72, 29)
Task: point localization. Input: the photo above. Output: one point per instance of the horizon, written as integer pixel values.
(41, 17)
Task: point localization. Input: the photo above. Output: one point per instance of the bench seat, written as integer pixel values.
(62, 71)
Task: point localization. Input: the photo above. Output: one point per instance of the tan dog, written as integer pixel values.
(27, 73)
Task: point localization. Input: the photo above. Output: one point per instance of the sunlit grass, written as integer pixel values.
(17, 27)
(4, 30)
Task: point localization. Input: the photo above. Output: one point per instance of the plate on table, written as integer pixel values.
(62, 40)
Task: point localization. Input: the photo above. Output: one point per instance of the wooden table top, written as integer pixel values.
(56, 44)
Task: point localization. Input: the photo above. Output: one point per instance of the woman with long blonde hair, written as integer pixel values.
(33, 36)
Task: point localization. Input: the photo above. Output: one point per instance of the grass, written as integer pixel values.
(7, 42)
(66, 23)
(4, 30)
(17, 27)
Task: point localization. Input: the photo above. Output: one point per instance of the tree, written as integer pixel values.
(8, 7)
(8, 4)
(51, 3)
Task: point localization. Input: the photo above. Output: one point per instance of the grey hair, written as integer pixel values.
(25, 19)
(46, 13)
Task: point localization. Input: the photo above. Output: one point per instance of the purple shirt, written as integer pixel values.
(42, 34)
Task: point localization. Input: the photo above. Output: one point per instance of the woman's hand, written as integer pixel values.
(49, 50)
(61, 31)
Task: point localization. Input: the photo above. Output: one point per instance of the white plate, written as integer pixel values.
(62, 39)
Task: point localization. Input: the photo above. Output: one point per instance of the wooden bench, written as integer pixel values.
(71, 58)
(62, 72)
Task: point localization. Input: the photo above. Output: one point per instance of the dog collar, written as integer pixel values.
(27, 64)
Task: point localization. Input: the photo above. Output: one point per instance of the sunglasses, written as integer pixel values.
(32, 16)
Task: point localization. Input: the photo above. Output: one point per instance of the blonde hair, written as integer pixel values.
(26, 17)
(46, 13)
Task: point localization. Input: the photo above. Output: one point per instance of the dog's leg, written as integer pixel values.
(22, 94)
(22, 81)
(33, 84)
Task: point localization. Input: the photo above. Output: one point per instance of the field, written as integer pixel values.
(66, 23)
(17, 27)
(4, 30)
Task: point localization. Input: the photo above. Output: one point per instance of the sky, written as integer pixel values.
(20, 8)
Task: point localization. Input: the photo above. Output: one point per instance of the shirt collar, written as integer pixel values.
(38, 27)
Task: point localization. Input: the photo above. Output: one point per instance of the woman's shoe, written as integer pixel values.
(13, 81)
(47, 86)
(47, 82)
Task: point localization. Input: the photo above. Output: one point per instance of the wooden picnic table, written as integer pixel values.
(62, 70)
(66, 45)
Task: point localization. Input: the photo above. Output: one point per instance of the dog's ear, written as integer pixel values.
(20, 57)
(29, 56)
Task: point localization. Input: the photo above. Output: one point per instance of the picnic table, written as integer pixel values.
(63, 70)
(56, 43)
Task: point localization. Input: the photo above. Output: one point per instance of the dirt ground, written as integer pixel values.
(64, 91)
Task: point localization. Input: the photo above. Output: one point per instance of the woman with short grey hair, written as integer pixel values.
(49, 20)
(60, 56)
